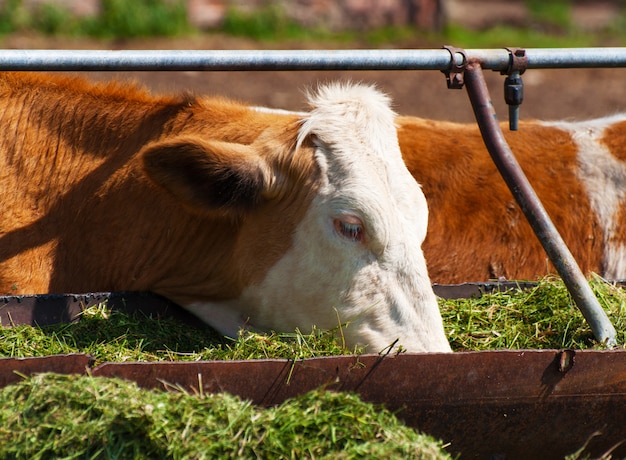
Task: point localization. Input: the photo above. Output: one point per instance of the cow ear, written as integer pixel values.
(207, 176)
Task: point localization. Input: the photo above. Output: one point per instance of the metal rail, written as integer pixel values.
(131, 60)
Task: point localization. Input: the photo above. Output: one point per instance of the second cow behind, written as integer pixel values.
(476, 231)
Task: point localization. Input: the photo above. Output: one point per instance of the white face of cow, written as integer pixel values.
(356, 256)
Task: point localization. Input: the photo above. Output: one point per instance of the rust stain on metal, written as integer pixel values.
(566, 360)
(507, 404)
(518, 61)
(454, 74)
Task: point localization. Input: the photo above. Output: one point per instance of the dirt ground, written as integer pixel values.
(549, 94)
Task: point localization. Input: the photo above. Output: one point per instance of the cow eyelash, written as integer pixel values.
(350, 230)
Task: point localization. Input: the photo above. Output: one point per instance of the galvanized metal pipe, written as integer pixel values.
(438, 59)
(534, 211)
(126, 60)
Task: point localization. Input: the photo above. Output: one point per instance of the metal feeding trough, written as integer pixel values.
(491, 404)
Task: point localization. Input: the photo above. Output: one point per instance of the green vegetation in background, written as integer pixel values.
(141, 18)
(553, 14)
(501, 36)
(550, 26)
(118, 19)
(269, 23)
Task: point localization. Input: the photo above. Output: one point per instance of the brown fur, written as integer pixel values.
(80, 213)
(476, 231)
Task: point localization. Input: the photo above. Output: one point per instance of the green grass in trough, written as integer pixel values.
(543, 317)
(120, 336)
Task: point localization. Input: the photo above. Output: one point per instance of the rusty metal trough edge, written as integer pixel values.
(496, 404)
(490, 404)
(45, 309)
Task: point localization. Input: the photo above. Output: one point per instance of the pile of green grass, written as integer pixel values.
(54, 416)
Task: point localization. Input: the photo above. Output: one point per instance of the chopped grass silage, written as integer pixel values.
(542, 317)
(54, 416)
(120, 336)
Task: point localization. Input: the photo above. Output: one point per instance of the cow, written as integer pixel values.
(477, 232)
(266, 221)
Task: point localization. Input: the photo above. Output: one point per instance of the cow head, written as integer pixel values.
(326, 222)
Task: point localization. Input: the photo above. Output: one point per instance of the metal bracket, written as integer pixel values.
(454, 74)
(513, 84)
(518, 61)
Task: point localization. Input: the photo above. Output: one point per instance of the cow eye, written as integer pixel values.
(350, 228)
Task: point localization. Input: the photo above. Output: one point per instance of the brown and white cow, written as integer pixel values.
(245, 218)
(477, 232)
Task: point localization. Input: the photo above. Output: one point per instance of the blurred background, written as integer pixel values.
(341, 24)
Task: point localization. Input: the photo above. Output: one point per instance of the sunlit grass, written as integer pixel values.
(543, 317)
(119, 336)
(62, 417)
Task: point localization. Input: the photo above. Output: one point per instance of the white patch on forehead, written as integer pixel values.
(353, 127)
(604, 178)
(340, 110)
(351, 118)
